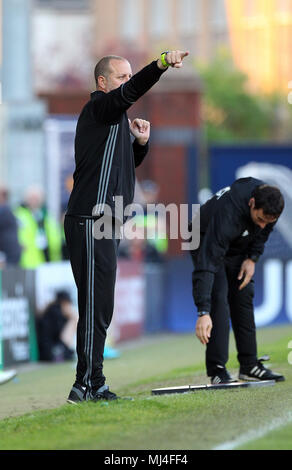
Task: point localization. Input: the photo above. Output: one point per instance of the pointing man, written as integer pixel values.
(105, 168)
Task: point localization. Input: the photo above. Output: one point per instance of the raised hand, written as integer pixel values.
(174, 59)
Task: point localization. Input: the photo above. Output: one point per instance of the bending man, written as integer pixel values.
(235, 225)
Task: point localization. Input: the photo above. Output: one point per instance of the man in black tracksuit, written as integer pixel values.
(235, 225)
(105, 169)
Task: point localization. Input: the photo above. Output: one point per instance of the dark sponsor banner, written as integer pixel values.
(15, 330)
(17, 324)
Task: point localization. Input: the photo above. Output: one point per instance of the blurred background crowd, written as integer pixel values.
(228, 114)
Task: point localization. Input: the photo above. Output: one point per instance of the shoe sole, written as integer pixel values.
(112, 399)
(77, 402)
(247, 378)
(76, 396)
(72, 402)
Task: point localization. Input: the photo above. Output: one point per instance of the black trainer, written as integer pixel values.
(103, 393)
(221, 376)
(259, 372)
(77, 394)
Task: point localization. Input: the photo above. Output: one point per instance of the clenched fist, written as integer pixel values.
(140, 129)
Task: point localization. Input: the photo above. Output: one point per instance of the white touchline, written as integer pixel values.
(255, 433)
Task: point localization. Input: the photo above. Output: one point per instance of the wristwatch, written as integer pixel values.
(203, 313)
(163, 59)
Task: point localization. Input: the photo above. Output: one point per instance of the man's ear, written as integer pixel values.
(101, 82)
(251, 202)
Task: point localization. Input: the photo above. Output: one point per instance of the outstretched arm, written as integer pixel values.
(107, 107)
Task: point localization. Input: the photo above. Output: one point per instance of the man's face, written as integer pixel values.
(120, 72)
(258, 217)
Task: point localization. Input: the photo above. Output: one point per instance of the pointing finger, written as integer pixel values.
(185, 54)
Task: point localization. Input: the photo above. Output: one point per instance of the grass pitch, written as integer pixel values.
(34, 415)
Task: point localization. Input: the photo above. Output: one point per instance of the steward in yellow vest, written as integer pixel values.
(39, 236)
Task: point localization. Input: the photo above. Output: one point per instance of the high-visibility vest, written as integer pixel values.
(28, 234)
(150, 224)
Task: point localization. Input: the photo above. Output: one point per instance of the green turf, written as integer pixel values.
(281, 439)
(34, 415)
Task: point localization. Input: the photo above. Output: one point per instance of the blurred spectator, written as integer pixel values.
(133, 248)
(39, 235)
(157, 242)
(57, 328)
(10, 250)
(151, 244)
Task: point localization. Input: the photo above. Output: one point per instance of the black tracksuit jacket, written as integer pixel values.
(227, 232)
(104, 153)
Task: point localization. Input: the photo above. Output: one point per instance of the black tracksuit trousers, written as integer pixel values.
(228, 302)
(94, 264)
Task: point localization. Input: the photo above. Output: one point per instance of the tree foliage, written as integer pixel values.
(230, 111)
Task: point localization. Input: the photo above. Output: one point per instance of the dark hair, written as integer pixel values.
(63, 296)
(103, 66)
(270, 199)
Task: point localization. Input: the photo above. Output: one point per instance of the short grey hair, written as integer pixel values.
(102, 68)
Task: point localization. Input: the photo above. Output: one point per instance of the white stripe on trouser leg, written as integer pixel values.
(89, 328)
(86, 341)
(92, 290)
